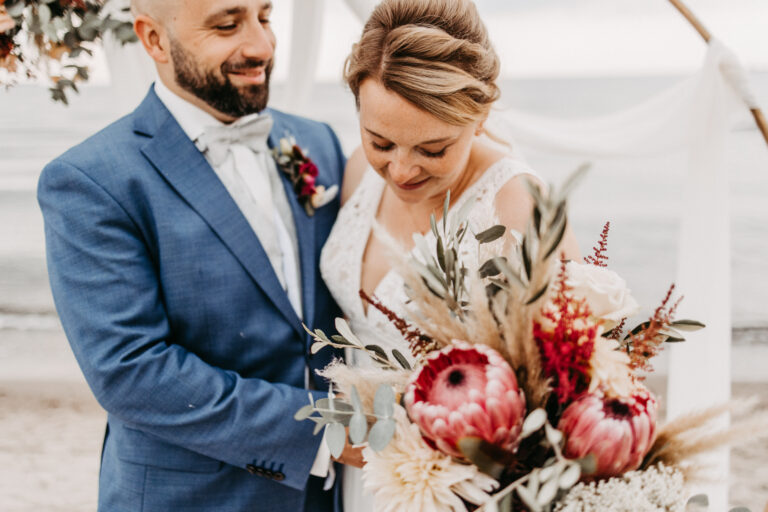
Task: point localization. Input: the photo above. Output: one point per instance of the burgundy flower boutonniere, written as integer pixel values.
(302, 172)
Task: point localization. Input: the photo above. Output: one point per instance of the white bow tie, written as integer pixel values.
(251, 131)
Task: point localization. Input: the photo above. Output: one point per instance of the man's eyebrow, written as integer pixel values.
(433, 141)
(224, 12)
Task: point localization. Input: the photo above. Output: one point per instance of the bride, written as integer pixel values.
(423, 76)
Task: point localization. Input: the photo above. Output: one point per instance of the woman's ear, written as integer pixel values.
(480, 129)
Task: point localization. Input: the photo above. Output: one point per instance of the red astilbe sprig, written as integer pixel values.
(646, 344)
(616, 332)
(566, 340)
(418, 343)
(600, 259)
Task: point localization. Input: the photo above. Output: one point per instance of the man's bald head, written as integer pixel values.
(157, 9)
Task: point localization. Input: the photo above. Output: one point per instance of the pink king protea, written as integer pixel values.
(466, 391)
(618, 432)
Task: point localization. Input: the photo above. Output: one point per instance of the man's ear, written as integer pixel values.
(150, 33)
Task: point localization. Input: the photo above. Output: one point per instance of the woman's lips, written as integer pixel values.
(413, 186)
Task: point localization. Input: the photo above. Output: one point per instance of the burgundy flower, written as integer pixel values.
(466, 391)
(308, 168)
(6, 45)
(618, 432)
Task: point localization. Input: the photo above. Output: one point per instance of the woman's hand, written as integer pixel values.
(351, 456)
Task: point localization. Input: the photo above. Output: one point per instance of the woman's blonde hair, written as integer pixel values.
(435, 54)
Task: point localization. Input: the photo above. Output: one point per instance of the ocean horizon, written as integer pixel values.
(640, 206)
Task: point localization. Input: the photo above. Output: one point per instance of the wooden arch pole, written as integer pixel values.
(757, 113)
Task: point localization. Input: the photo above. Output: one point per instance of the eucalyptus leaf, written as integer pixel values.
(528, 499)
(506, 503)
(381, 434)
(384, 401)
(698, 499)
(570, 476)
(342, 327)
(317, 346)
(358, 427)
(555, 242)
(340, 340)
(378, 351)
(489, 268)
(334, 410)
(44, 13)
(547, 493)
(687, 325)
(336, 438)
(16, 10)
(588, 464)
(534, 482)
(441, 253)
(533, 422)
(357, 405)
(509, 273)
(476, 451)
(554, 436)
(536, 296)
(304, 413)
(318, 428)
(573, 180)
(401, 360)
(491, 234)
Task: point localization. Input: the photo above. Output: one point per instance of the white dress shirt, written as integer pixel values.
(253, 181)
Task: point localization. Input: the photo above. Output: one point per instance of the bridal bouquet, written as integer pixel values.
(50, 37)
(522, 389)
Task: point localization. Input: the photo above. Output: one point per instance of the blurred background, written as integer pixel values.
(565, 58)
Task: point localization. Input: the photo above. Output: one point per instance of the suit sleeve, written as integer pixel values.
(109, 300)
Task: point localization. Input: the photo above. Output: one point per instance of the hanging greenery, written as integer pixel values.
(53, 39)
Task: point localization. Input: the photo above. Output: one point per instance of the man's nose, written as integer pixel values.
(259, 42)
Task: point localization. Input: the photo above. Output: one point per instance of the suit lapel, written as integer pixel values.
(188, 172)
(305, 228)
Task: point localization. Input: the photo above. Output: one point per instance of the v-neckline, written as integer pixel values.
(373, 212)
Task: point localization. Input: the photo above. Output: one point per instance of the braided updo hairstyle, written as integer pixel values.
(435, 54)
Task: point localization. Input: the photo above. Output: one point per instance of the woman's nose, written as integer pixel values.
(402, 168)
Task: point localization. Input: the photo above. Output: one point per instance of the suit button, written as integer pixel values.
(279, 476)
(251, 469)
(268, 473)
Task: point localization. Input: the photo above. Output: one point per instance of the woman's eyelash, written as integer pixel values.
(379, 147)
(430, 154)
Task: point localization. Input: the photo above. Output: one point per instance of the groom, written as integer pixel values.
(183, 263)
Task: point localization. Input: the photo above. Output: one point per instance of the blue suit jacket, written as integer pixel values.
(178, 320)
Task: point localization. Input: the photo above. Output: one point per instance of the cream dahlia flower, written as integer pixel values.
(409, 476)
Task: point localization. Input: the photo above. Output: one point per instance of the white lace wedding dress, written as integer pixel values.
(341, 264)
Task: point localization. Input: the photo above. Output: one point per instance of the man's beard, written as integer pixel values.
(218, 92)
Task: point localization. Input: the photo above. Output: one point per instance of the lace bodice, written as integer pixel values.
(341, 259)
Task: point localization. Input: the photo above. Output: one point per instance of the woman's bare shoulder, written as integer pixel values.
(353, 173)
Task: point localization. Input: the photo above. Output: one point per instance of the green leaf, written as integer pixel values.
(489, 268)
(491, 234)
(341, 340)
(687, 325)
(739, 509)
(334, 410)
(433, 225)
(358, 427)
(588, 464)
(318, 428)
(463, 214)
(555, 241)
(401, 360)
(381, 434)
(471, 448)
(573, 180)
(384, 401)
(336, 437)
(343, 328)
(441, 253)
(378, 351)
(16, 10)
(317, 346)
(304, 413)
(44, 13)
(698, 499)
(357, 405)
(536, 296)
(554, 436)
(527, 257)
(505, 505)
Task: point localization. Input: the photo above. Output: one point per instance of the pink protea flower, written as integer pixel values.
(466, 391)
(618, 432)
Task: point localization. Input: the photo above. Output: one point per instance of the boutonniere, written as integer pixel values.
(302, 172)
